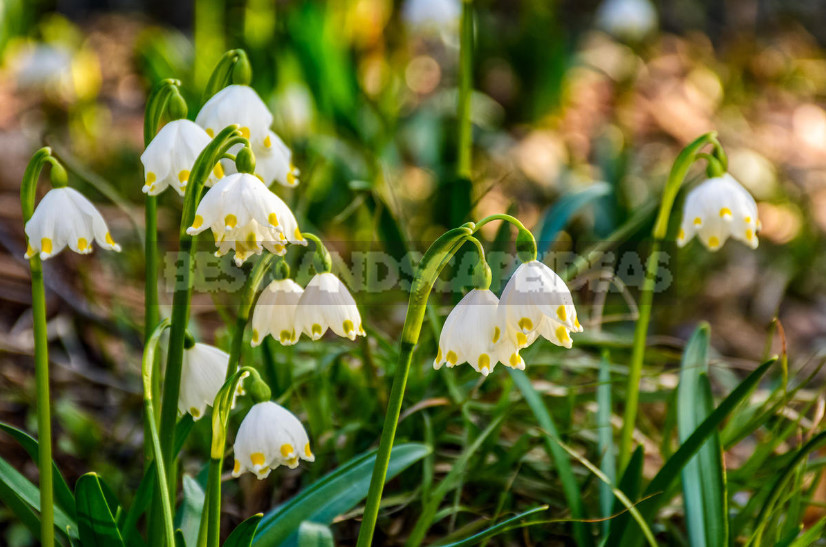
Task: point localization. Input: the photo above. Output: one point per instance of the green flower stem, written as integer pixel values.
(164, 98)
(147, 370)
(41, 345)
(210, 530)
(206, 161)
(465, 80)
(682, 164)
(434, 260)
(322, 261)
(232, 68)
(257, 275)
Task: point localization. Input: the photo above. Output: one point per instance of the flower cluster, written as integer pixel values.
(285, 310)
(484, 330)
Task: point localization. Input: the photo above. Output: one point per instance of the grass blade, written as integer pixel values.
(605, 439)
(244, 532)
(96, 520)
(504, 526)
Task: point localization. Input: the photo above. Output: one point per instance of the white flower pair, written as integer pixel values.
(285, 310)
(483, 330)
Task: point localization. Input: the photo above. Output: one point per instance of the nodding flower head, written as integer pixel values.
(237, 104)
(273, 162)
(536, 302)
(65, 218)
(169, 158)
(245, 216)
(473, 333)
(203, 372)
(274, 313)
(716, 209)
(327, 304)
(269, 436)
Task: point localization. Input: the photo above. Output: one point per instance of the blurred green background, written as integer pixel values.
(569, 97)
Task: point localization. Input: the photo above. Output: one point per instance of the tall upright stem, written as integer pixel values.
(44, 415)
(465, 79)
(679, 170)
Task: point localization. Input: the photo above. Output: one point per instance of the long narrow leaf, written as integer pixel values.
(605, 435)
(96, 520)
(557, 455)
(244, 532)
(332, 495)
(512, 523)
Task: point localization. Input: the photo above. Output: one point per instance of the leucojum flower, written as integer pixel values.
(472, 333)
(274, 312)
(203, 372)
(245, 216)
(168, 159)
(327, 304)
(64, 217)
(717, 209)
(269, 436)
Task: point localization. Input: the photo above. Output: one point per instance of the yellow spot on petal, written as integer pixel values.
(562, 333)
(210, 132)
(230, 221)
(292, 462)
(286, 450)
(748, 220)
(521, 339)
(291, 177)
(29, 250)
(514, 360)
(198, 222)
(713, 242)
(267, 141)
(484, 361)
(109, 239)
(681, 235)
(255, 335)
(273, 219)
(245, 132)
(698, 221)
(298, 236)
(195, 412)
(725, 212)
(749, 235)
(82, 244)
(236, 467)
(285, 336)
(183, 176)
(562, 313)
(218, 171)
(257, 458)
(576, 323)
(451, 358)
(496, 333)
(307, 451)
(439, 355)
(46, 245)
(316, 329)
(348, 326)
(525, 324)
(150, 178)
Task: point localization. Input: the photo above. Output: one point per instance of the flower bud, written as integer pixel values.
(241, 70)
(258, 389)
(58, 175)
(245, 160)
(525, 246)
(176, 107)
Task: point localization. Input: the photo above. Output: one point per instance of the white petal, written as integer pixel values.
(203, 373)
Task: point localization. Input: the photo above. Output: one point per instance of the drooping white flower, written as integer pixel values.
(327, 304)
(536, 302)
(269, 436)
(245, 216)
(203, 372)
(169, 158)
(274, 313)
(273, 162)
(627, 19)
(472, 333)
(236, 104)
(65, 217)
(716, 209)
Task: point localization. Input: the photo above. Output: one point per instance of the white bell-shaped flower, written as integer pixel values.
(274, 312)
(269, 436)
(169, 158)
(245, 216)
(627, 19)
(536, 302)
(65, 217)
(472, 333)
(716, 209)
(327, 304)
(237, 104)
(273, 162)
(203, 372)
